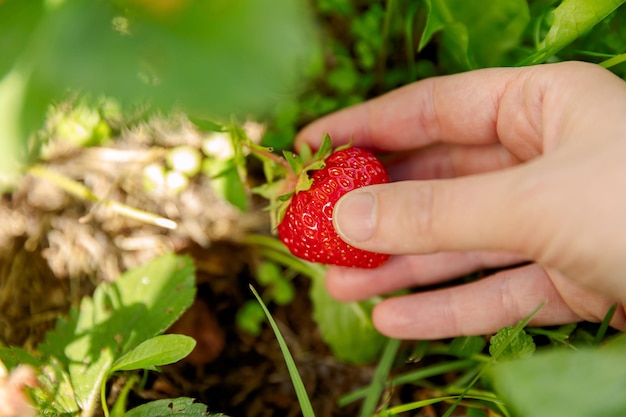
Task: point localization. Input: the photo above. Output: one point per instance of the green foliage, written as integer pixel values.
(474, 36)
(588, 382)
(509, 343)
(572, 19)
(116, 330)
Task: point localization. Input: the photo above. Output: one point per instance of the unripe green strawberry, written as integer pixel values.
(307, 228)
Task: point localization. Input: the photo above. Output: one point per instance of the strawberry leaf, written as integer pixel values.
(346, 327)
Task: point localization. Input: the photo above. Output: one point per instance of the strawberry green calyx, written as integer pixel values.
(288, 175)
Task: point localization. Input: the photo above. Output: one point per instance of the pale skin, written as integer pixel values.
(519, 170)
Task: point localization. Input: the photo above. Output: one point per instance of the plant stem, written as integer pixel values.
(264, 153)
(274, 249)
(80, 191)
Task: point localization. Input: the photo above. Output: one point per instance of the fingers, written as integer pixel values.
(400, 272)
(479, 212)
(481, 307)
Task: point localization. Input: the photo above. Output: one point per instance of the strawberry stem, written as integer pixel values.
(265, 153)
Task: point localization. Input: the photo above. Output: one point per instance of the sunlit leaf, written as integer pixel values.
(140, 304)
(157, 351)
(572, 18)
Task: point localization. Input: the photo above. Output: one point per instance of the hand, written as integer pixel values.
(522, 170)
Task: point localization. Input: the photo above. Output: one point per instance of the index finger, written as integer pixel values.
(462, 108)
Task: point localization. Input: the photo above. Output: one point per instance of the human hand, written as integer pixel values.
(523, 168)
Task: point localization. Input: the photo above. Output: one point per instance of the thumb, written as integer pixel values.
(481, 212)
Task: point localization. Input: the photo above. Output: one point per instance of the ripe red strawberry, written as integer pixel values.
(307, 228)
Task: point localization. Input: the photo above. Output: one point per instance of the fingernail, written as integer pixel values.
(355, 217)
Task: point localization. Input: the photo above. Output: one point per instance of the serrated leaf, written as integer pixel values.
(565, 383)
(572, 18)
(157, 351)
(346, 327)
(181, 407)
(511, 344)
(142, 303)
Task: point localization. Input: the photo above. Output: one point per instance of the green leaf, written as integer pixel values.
(199, 54)
(182, 407)
(572, 18)
(142, 303)
(195, 55)
(346, 327)
(475, 36)
(509, 343)
(157, 351)
(558, 383)
(226, 181)
(434, 22)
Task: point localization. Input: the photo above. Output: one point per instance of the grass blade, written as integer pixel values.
(379, 380)
(303, 398)
(604, 325)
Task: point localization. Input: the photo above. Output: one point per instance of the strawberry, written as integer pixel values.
(306, 227)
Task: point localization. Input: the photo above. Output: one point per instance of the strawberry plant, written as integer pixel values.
(118, 330)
